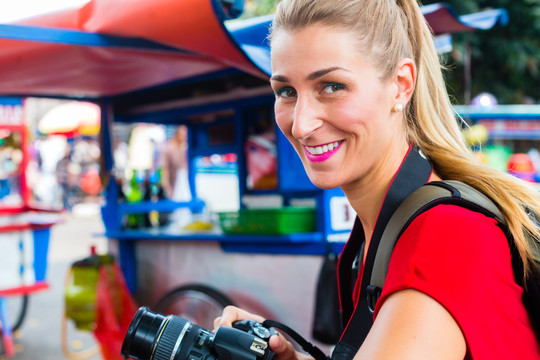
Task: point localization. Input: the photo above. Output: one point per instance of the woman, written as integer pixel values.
(358, 90)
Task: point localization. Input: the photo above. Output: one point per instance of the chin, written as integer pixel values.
(324, 179)
(324, 183)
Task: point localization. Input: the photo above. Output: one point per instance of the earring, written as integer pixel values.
(398, 108)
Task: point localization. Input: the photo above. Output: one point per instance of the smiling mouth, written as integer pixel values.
(322, 149)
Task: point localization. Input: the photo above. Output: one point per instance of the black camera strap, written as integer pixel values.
(413, 173)
(306, 345)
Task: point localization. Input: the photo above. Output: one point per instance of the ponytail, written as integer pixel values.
(432, 126)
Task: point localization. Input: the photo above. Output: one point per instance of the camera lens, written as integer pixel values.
(152, 336)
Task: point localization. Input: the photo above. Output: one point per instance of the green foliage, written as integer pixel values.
(505, 60)
(259, 8)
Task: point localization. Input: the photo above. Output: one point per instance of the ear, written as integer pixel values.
(405, 80)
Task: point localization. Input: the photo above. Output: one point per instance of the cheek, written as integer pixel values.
(349, 117)
(284, 119)
(360, 112)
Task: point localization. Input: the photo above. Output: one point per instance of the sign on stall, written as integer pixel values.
(11, 111)
(342, 213)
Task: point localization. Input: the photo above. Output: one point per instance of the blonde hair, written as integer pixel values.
(388, 31)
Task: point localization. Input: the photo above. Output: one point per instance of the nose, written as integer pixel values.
(307, 118)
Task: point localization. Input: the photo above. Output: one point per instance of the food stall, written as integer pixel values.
(182, 62)
(24, 225)
(507, 137)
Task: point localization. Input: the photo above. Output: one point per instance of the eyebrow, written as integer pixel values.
(317, 74)
(314, 75)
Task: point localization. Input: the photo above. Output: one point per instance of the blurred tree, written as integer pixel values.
(505, 60)
(259, 8)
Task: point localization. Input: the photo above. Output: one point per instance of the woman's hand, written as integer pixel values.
(232, 314)
(283, 349)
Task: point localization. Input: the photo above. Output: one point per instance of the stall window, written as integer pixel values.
(260, 150)
(221, 134)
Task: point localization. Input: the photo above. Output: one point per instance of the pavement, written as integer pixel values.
(40, 336)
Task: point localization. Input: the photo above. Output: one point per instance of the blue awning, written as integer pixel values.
(443, 19)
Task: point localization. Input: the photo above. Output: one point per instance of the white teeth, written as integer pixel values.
(319, 150)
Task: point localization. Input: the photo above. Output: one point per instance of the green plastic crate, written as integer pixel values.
(285, 220)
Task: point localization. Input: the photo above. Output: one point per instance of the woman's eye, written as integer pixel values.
(332, 88)
(285, 92)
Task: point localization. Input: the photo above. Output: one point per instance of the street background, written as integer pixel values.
(40, 337)
(503, 60)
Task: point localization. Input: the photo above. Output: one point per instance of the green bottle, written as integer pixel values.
(133, 195)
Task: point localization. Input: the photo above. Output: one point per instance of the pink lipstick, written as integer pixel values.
(323, 152)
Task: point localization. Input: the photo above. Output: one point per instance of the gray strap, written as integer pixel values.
(410, 208)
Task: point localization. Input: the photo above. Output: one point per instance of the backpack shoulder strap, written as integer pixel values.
(534, 245)
(454, 192)
(423, 199)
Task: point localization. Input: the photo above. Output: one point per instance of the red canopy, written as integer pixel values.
(98, 50)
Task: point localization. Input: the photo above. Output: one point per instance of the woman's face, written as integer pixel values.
(334, 108)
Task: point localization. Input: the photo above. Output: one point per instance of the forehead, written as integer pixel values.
(315, 46)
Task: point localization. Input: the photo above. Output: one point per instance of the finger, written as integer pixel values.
(283, 349)
(217, 322)
(230, 314)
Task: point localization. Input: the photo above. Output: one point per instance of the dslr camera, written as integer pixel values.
(152, 336)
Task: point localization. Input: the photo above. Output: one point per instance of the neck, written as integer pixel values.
(367, 194)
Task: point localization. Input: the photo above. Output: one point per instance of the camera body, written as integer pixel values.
(152, 336)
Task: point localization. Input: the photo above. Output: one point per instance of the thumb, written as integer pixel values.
(283, 349)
